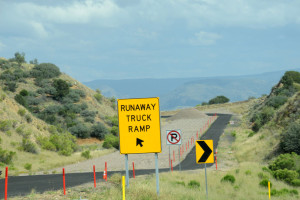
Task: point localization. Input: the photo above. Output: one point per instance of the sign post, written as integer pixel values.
(139, 128)
(204, 149)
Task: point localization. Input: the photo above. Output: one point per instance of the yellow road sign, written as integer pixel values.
(139, 125)
(204, 151)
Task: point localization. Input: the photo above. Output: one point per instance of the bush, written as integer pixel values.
(6, 156)
(11, 86)
(284, 161)
(228, 178)
(86, 154)
(21, 112)
(28, 146)
(99, 131)
(114, 130)
(28, 166)
(5, 125)
(296, 182)
(21, 100)
(80, 130)
(62, 89)
(264, 183)
(285, 175)
(194, 184)
(28, 118)
(283, 191)
(290, 140)
(45, 70)
(276, 101)
(218, 100)
(24, 93)
(19, 58)
(111, 141)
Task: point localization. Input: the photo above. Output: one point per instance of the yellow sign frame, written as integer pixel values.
(139, 125)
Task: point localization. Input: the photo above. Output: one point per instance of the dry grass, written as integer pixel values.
(175, 186)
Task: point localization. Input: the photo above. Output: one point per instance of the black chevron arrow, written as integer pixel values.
(139, 142)
(206, 149)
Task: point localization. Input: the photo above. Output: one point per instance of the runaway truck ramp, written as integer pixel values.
(23, 185)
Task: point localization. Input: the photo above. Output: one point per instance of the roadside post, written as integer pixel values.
(204, 149)
(139, 129)
(6, 179)
(173, 137)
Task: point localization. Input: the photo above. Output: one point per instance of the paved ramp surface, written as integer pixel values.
(23, 185)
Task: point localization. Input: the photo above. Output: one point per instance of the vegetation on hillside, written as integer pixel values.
(216, 100)
(43, 92)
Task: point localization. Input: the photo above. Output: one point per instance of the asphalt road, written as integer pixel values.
(23, 185)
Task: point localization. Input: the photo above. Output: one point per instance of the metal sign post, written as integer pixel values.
(206, 182)
(179, 158)
(127, 171)
(157, 174)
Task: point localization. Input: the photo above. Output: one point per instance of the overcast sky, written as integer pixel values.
(122, 39)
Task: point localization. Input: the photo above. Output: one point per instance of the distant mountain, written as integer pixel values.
(186, 92)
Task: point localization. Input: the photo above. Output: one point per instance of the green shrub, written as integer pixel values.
(194, 184)
(276, 101)
(294, 75)
(290, 140)
(11, 86)
(251, 133)
(80, 130)
(296, 182)
(86, 154)
(62, 89)
(19, 58)
(248, 172)
(111, 141)
(28, 146)
(5, 125)
(21, 100)
(98, 96)
(28, 118)
(228, 178)
(233, 133)
(218, 100)
(21, 112)
(284, 161)
(114, 130)
(28, 166)
(64, 143)
(45, 143)
(264, 183)
(285, 175)
(262, 175)
(180, 183)
(99, 131)
(6, 156)
(45, 70)
(283, 192)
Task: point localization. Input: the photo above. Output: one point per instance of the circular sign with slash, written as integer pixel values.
(174, 137)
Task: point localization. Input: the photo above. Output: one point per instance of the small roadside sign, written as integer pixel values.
(204, 151)
(139, 125)
(173, 137)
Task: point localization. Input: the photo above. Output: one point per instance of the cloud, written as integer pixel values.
(205, 38)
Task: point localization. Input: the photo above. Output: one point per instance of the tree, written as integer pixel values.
(290, 141)
(62, 88)
(20, 58)
(218, 100)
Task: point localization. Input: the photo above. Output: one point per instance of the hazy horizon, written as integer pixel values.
(137, 39)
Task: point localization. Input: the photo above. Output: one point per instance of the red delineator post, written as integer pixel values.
(133, 172)
(64, 181)
(216, 163)
(171, 166)
(6, 179)
(94, 175)
(106, 171)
